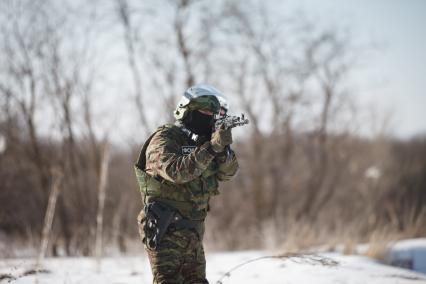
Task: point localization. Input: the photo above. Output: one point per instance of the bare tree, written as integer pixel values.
(125, 17)
(101, 203)
(50, 213)
(180, 20)
(301, 164)
(21, 84)
(327, 56)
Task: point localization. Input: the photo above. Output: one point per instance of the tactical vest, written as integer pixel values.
(190, 198)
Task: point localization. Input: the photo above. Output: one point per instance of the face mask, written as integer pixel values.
(199, 123)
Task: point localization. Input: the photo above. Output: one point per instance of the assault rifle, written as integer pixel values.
(230, 121)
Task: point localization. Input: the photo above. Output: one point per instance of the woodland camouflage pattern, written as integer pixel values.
(184, 176)
(179, 258)
(205, 102)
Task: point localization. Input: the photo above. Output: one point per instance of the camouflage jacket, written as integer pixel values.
(180, 173)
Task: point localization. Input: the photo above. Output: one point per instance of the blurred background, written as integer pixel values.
(335, 152)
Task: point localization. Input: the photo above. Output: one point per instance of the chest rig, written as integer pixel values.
(190, 199)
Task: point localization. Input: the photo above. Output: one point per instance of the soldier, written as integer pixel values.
(178, 170)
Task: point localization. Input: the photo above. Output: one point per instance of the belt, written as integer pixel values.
(186, 224)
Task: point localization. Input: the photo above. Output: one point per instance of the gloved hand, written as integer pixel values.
(220, 139)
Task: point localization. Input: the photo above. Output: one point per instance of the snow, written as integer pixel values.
(319, 269)
(409, 254)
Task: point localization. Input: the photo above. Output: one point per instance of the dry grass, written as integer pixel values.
(378, 246)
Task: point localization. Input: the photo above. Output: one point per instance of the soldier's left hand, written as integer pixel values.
(220, 139)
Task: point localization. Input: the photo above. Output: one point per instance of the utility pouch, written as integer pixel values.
(159, 216)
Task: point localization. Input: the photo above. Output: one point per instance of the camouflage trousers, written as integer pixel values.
(179, 258)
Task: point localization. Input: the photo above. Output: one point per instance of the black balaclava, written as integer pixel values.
(199, 123)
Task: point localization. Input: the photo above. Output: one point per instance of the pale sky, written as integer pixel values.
(390, 78)
(393, 77)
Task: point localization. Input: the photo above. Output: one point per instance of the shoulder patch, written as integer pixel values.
(186, 150)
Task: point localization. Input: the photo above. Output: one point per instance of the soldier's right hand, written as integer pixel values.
(220, 139)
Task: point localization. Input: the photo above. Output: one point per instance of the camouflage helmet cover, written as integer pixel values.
(198, 97)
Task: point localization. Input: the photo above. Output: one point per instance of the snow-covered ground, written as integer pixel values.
(318, 269)
(409, 254)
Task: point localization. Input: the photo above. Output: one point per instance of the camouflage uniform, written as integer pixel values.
(184, 175)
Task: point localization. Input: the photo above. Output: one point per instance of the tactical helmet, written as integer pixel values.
(198, 97)
(224, 106)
